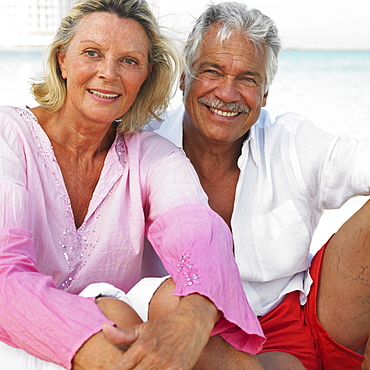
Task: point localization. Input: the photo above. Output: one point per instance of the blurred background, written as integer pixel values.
(324, 70)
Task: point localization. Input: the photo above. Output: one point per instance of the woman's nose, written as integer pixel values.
(108, 69)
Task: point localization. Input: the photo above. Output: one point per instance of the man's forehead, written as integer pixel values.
(237, 47)
(232, 39)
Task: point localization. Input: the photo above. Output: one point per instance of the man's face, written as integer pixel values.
(224, 98)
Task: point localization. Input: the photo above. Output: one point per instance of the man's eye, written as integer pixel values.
(248, 81)
(210, 73)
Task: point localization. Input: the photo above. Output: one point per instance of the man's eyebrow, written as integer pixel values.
(253, 74)
(218, 66)
(210, 64)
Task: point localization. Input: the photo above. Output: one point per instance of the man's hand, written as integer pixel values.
(172, 341)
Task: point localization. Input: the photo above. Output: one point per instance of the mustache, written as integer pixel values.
(219, 104)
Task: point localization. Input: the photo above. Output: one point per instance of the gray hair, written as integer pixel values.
(235, 16)
(153, 97)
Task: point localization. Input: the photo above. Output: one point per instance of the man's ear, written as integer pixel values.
(182, 82)
(264, 102)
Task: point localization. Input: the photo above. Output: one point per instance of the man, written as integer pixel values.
(271, 183)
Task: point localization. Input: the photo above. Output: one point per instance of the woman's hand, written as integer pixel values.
(172, 341)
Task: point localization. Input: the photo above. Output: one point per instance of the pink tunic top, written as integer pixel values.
(147, 188)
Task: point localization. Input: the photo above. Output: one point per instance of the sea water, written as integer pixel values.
(331, 88)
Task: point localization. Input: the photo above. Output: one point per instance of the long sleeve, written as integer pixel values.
(196, 246)
(35, 316)
(333, 168)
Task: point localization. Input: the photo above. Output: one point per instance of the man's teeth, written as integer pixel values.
(222, 113)
(102, 95)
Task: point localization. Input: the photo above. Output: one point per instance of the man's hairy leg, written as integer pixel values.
(343, 306)
(275, 360)
(366, 363)
(217, 354)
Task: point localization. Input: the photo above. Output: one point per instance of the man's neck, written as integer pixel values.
(211, 158)
(216, 166)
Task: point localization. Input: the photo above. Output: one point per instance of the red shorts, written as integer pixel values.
(295, 329)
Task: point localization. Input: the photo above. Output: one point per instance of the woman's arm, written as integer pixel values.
(174, 340)
(34, 315)
(194, 243)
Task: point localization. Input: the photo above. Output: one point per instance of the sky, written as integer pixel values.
(303, 24)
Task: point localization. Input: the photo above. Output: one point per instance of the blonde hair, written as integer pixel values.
(153, 97)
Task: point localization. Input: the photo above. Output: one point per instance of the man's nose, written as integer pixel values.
(227, 90)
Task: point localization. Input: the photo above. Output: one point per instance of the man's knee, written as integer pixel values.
(118, 311)
(163, 300)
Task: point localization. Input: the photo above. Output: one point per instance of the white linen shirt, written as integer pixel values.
(290, 172)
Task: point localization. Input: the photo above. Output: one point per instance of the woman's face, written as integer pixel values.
(104, 66)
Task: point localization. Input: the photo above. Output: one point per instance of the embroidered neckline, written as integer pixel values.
(76, 244)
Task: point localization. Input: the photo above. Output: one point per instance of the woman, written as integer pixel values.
(81, 187)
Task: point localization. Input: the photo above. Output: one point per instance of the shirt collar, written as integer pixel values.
(250, 144)
(171, 129)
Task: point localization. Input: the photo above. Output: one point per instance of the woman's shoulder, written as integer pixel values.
(18, 124)
(9, 111)
(149, 151)
(13, 119)
(15, 115)
(150, 141)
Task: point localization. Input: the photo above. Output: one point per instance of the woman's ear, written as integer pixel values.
(150, 69)
(61, 59)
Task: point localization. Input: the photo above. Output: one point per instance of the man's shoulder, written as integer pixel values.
(287, 119)
(169, 126)
(280, 131)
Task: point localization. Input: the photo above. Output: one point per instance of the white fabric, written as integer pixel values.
(18, 359)
(141, 294)
(290, 171)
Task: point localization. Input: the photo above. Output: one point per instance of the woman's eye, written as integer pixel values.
(91, 53)
(130, 62)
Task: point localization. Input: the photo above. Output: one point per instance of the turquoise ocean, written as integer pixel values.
(331, 88)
